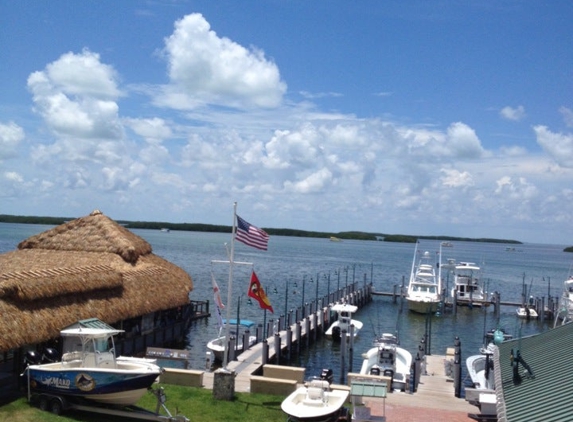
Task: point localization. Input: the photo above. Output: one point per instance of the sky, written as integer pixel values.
(416, 117)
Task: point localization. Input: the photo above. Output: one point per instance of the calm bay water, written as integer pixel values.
(292, 262)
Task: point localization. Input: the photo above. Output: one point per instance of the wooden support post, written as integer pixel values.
(288, 342)
(297, 335)
(246, 335)
(277, 348)
(265, 357)
(343, 339)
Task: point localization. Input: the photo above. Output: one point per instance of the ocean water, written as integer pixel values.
(293, 264)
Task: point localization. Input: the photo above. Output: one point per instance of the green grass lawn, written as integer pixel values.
(197, 404)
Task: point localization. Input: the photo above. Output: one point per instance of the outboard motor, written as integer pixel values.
(389, 373)
(50, 355)
(32, 358)
(327, 375)
(336, 333)
(375, 370)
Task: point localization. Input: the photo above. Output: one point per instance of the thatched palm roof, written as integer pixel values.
(88, 267)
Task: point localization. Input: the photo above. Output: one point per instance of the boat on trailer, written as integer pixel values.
(89, 369)
(316, 401)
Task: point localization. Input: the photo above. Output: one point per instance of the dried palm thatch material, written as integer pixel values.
(93, 233)
(49, 282)
(111, 275)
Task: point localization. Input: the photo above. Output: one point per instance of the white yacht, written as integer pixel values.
(423, 295)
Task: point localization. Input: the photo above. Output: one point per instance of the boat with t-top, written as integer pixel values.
(89, 369)
(387, 359)
(343, 322)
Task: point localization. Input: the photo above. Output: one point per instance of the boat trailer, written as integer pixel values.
(58, 404)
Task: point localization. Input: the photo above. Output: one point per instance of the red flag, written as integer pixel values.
(257, 292)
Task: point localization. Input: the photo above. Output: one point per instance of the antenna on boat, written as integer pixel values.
(414, 260)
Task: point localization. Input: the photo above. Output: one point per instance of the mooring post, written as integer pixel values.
(297, 335)
(343, 338)
(417, 371)
(351, 347)
(231, 353)
(265, 357)
(289, 342)
(457, 367)
(259, 332)
(307, 330)
(277, 348)
(246, 336)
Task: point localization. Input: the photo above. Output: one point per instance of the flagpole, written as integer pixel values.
(230, 287)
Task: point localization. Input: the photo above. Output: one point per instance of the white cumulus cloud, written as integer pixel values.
(510, 113)
(559, 146)
(76, 96)
(206, 68)
(567, 114)
(10, 136)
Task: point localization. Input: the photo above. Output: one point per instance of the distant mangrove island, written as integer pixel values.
(197, 227)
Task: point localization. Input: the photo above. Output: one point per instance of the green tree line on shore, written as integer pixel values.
(349, 235)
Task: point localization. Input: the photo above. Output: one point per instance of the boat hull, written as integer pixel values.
(476, 366)
(335, 329)
(422, 306)
(399, 367)
(105, 386)
(217, 347)
(300, 406)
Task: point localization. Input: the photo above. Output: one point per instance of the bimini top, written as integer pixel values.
(344, 307)
(241, 322)
(90, 332)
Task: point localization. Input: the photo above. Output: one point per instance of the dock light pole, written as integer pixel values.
(302, 305)
(286, 298)
(328, 293)
(316, 295)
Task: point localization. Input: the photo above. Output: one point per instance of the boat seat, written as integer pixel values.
(314, 396)
(322, 384)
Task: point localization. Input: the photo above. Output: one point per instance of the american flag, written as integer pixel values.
(251, 235)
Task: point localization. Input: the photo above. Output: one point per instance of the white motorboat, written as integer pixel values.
(480, 369)
(526, 312)
(387, 359)
(315, 401)
(343, 321)
(90, 369)
(467, 289)
(565, 312)
(217, 345)
(423, 295)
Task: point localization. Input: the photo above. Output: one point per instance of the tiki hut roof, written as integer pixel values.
(88, 267)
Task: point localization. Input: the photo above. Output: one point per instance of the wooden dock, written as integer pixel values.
(433, 401)
(251, 361)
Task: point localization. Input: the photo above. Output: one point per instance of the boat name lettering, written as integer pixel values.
(57, 382)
